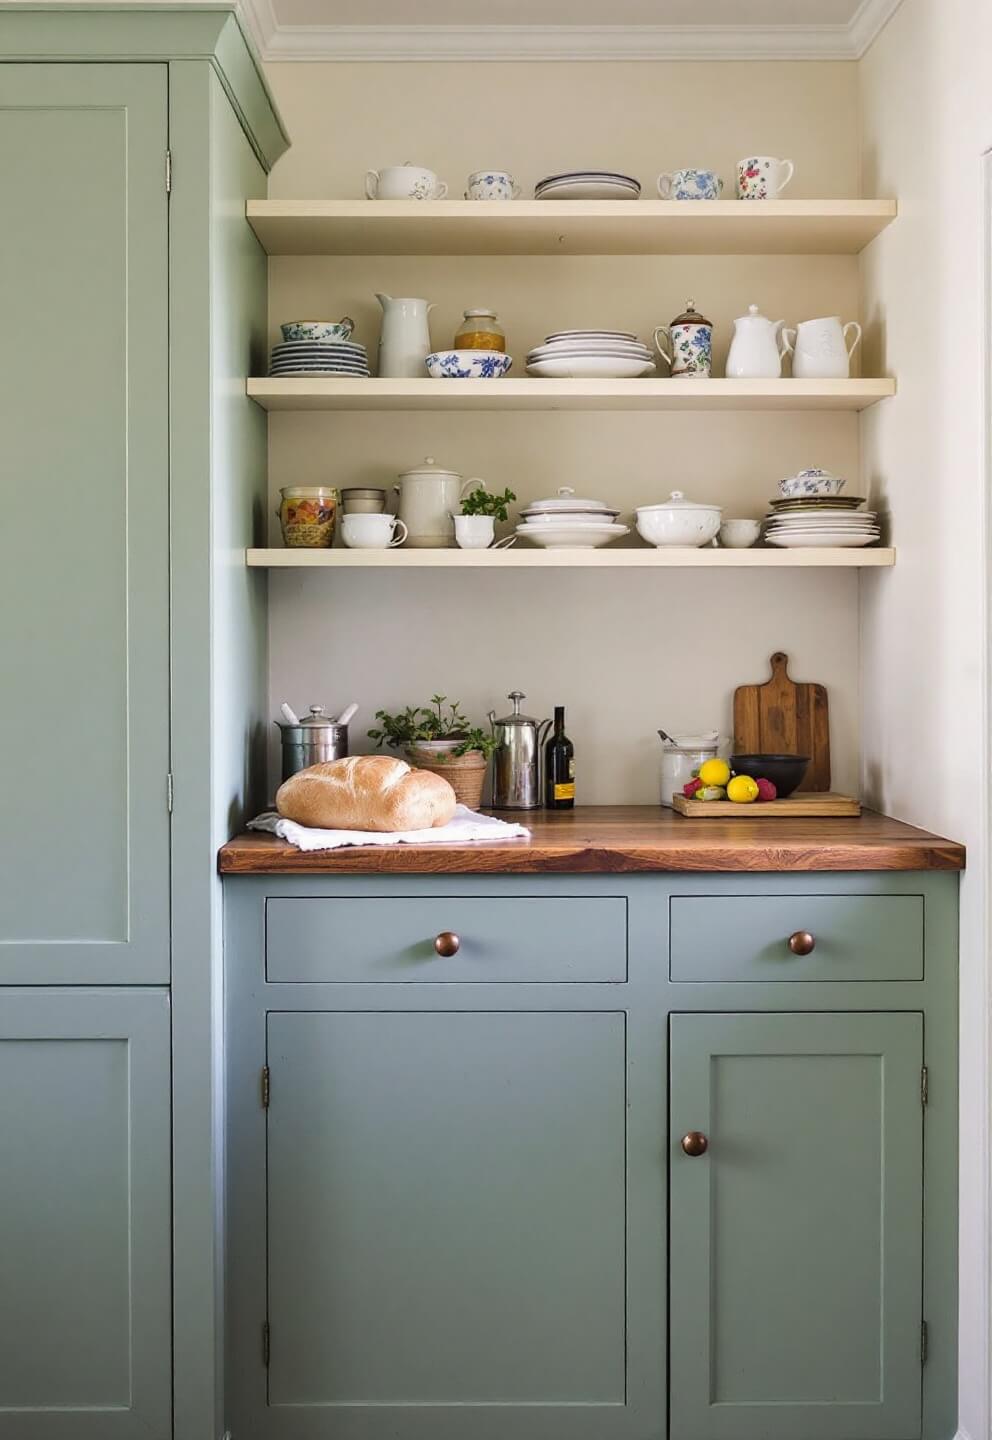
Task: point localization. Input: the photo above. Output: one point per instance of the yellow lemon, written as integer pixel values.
(714, 772)
(742, 789)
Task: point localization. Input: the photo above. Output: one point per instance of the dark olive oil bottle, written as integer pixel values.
(559, 767)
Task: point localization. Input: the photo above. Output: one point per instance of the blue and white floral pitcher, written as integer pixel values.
(690, 344)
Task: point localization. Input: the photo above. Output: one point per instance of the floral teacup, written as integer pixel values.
(762, 177)
(690, 185)
(492, 185)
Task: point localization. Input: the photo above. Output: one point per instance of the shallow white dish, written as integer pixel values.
(569, 517)
(590, 175)
(822, 540)
(591, 367)
(587, 190)
(572, 537)
(288, 371)
(563, 351)
(590, 335)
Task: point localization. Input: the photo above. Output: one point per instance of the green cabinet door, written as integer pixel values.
(84, 538)
(447, 1229)
(85, 1215)
(795, 1278)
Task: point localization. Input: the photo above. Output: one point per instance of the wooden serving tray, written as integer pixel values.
(806, 803)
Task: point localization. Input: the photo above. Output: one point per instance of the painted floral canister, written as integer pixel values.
(308, 515)
(690, 344)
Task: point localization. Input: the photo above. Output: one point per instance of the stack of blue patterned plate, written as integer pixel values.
(319, 357)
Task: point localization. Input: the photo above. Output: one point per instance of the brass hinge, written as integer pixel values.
(265, 1087)
(924, 1085)
(265, 1343)
(170, 791)
(168, 172)
(924, 1342)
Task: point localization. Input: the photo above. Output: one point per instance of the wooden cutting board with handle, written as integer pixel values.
(781, 717)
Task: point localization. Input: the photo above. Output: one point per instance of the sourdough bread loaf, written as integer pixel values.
(366, 792)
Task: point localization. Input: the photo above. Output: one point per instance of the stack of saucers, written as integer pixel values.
(588, 185)
(820, 522)
(567, 521)
(319, 357)
(591, 355)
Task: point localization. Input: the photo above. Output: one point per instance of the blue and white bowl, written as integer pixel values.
(468, 364)
(318, 329)
(813, 481)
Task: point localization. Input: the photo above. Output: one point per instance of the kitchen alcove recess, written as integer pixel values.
(517, 557)
(576, 227)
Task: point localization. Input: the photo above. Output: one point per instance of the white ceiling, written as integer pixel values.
(564, 29)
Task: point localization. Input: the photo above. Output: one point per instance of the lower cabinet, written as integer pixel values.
(796, 1273)
(85, 1215)
(615, 1208)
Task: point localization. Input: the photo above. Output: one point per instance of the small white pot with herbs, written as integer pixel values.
(475, 527)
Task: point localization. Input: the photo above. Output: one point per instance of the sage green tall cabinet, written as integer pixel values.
(133, 678)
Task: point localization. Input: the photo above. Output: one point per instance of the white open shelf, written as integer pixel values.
(519, 557)
(334, 393)
(568, 227)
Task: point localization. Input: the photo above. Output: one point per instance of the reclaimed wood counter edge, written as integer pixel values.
(613, 839)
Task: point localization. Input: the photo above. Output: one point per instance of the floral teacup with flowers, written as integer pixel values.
(762, 177)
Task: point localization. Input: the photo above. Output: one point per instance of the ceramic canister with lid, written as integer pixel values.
(690, 344)
(679, 521)
(429, 498)
(680, 759)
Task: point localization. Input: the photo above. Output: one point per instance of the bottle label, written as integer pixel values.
(571, 768)
(565, 790)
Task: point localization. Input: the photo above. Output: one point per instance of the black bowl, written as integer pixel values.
(784, 771)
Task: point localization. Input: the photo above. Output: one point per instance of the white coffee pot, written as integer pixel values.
(819, 348)
(754, 351)
(429, 497)
(405, 337)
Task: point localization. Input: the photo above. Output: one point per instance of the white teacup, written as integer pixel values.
(404, 182)
(372, 532)
(762, 177)
(738, 534)
(492, 185)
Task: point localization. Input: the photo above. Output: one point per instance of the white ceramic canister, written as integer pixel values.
(679, 760)
(429, 497)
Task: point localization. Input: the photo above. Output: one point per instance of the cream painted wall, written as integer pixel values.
(927, 110)
(623, 653)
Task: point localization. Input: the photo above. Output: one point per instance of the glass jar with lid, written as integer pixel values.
(480, 330)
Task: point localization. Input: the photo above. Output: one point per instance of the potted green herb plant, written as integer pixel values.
(475, 527)
(440, 738)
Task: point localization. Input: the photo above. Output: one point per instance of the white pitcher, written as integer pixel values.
(819, 348)
(754, 352)
(405, 338)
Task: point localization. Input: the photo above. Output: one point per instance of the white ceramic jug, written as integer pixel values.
(754, 352)
(429, 497)
(405, 338)
(820, 348)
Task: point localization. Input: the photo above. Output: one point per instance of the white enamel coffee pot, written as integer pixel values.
(819, 348)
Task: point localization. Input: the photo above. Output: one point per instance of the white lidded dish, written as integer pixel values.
(678, 521)
(566, 501)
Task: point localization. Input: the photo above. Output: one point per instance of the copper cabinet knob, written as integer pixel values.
(695, 1143)
(446, 944)
(802, 943)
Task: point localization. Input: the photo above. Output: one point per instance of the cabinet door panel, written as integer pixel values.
(85, 1215)
(446, 1221)
(84, 539)
(795, 1281)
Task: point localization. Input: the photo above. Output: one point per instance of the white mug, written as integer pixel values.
(404, 182)
(762, 177)
(492, 185)
(372, 532)
(819, 348)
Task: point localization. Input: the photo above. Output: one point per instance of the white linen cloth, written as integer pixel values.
(466, 825)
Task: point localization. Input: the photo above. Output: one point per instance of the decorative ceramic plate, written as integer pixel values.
(587, 190)
(591, 367)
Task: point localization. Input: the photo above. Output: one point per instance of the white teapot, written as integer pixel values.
(754, 351)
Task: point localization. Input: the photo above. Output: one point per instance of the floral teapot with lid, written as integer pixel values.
(755, 351)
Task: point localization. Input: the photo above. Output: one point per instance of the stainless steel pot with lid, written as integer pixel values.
(313, 739)
(517, 761)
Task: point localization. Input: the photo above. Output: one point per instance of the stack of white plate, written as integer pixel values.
(319, 357)
(588, 185)
(821, 525)
(566, 521)
(591, 355)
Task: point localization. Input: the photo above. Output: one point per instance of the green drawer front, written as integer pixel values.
(500, 938)
(746, 938)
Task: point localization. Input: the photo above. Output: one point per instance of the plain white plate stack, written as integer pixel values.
(567, 521)
(588, 185)
(591, 355)
(825, 526)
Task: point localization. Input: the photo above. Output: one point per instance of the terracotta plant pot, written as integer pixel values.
(465, 773)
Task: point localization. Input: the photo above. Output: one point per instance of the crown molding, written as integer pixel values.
(563, 42)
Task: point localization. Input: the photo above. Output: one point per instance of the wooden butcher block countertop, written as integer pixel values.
(605, 839)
